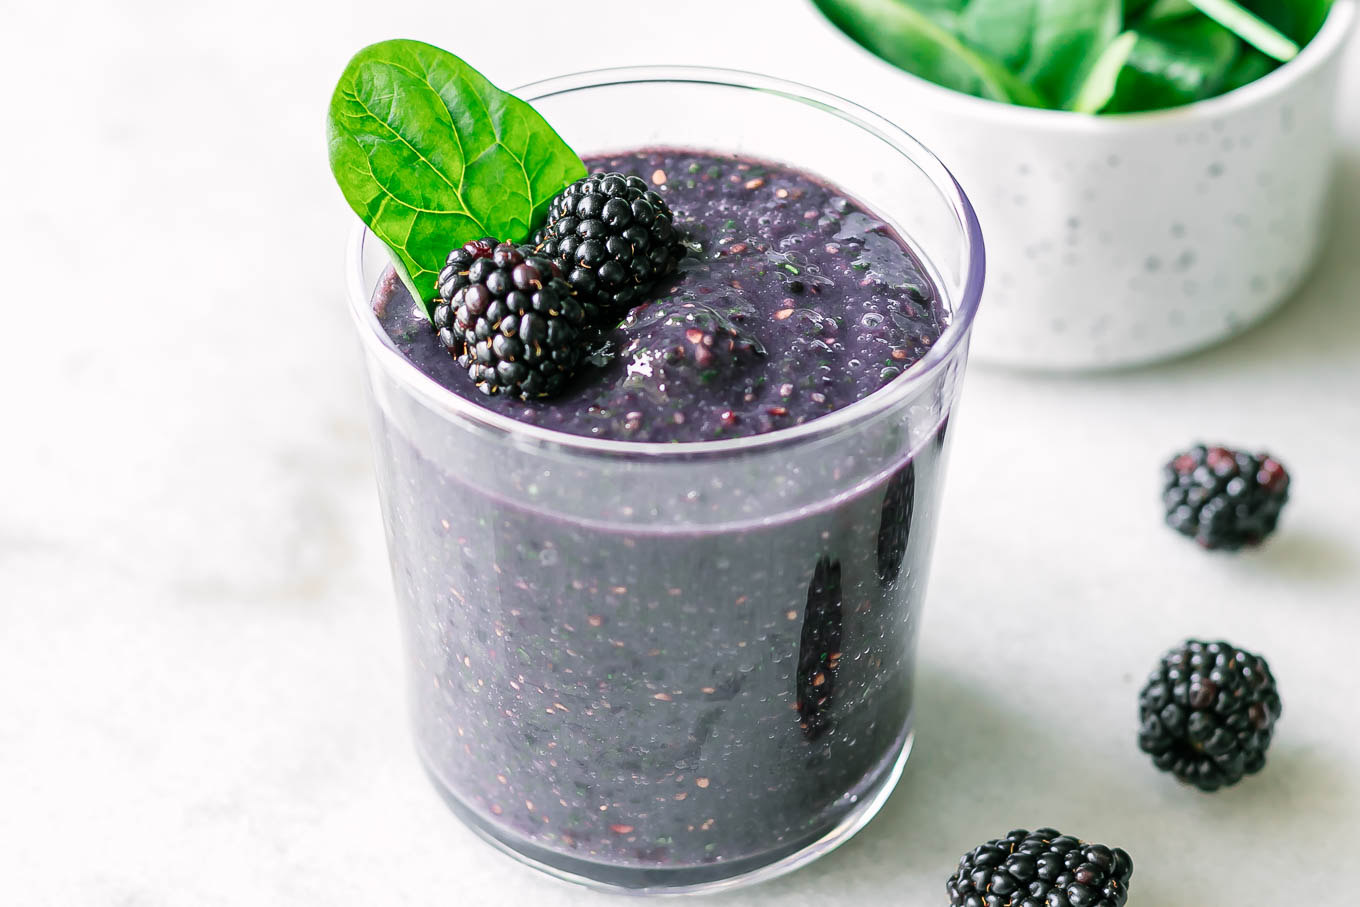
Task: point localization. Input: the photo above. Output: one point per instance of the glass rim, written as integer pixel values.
(375, 340)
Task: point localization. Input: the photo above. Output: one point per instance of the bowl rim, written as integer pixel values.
(950, 347)
(1325, 46)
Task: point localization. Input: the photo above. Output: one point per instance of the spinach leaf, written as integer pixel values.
(1083, 55)
(1002, 28)
(1256, 32)
(1174, 62)
(430, 155)
(942, 10)
(1249, 66)
(1053, 45)
(1161, 10)
(1298, 19)
(916, 41)
(1069, 37)
(1100, 83)
(1135, 8)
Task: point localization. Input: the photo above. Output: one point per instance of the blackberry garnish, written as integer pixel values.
(819, 649)
(458, 263)
(1041, 869)
(509, 319)
(1222, 498)
(1207, 714)
(612, 237)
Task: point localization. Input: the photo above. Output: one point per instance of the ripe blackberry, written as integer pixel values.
(612, 237)
(1207, 714)
(819, 649)
(1224, 498)
(894, 523)
(1041, 869)
(509, 319)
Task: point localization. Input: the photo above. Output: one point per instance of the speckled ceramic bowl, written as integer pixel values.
(1122, 240)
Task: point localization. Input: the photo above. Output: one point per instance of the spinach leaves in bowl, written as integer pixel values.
(1090, 56)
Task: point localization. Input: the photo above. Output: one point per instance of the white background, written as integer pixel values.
(200, 697)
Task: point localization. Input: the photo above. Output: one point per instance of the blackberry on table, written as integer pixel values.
(1207, 713)
(1222, 498)
(612, 236)
(1041, 869)
(510, 319)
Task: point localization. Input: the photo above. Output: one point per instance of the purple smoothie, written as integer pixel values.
(663, 704)
(793, 302)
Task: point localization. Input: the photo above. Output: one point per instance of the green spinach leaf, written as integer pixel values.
(430, 155)
(1002, 28)
(1160, 11)
(1249, 66)
(1298, 19)
(943, 10)
(916, 41)
(1052, 44)
(1069, 37)
(1174, 62)
(1083, 55)
(1135, 8)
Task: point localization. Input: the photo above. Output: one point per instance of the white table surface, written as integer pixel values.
(200, 697)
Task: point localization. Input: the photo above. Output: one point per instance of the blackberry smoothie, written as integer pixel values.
(793, 302)
(658, 675)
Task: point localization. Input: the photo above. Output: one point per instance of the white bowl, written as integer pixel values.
(1119, 240)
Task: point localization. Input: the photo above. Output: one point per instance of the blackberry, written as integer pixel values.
(1041, 869)
(1222, 498)
(819, 649)
(510, 319)
(1207, 714)
(612, 236)
(894, 523)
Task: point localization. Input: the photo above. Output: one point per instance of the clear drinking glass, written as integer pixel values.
(613, 646)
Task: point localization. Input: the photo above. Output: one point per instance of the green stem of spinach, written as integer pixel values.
(1098, 88)
(1249, 27)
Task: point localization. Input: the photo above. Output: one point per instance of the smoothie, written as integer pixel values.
(671, 701)
(793, 301)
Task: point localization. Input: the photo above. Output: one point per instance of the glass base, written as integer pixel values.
(868, 799)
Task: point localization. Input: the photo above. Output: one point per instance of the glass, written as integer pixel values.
(676, 667)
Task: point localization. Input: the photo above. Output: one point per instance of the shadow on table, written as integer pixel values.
(979, 770)
(1307, 555)
(976, 772)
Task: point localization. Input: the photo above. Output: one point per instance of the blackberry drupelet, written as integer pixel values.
(1207, 714)
(1041, 869)
(509, 319)
(1222, 498)
(612, 237)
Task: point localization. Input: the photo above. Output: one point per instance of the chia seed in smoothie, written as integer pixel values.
(666, 703)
